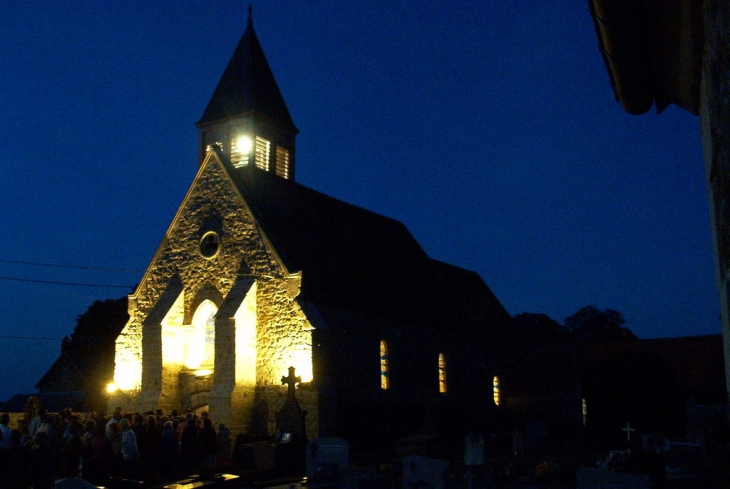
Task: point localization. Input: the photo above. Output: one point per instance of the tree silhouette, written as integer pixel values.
(91, 345)
(540, 329)
(590, 325)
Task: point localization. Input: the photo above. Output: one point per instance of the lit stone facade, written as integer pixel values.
(259, 328)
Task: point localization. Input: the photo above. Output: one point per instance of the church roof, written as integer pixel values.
(351, 257)
(248, 86)
(64, 371)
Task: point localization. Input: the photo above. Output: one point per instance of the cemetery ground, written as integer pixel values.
(685, 467)
(327, 463)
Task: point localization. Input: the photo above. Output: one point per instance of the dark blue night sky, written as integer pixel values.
(488, 128)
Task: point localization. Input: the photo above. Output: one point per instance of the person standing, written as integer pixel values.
(170, 450)
(5, 430)
(208, 443)
(36, 422)
(19, 469)
(86, 437)
(71, 447)
(114, 419)
(100, 461)
(130, 452)
(189, 445)
(43, 462)
(115, 442)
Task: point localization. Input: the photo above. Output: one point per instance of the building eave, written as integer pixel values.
(652, 50)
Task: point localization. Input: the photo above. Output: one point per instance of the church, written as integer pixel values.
(257, 274)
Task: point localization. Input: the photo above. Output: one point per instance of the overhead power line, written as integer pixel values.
(5, 337)
(75, 284)
(17, 262)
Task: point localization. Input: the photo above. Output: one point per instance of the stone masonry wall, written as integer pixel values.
(213, 204)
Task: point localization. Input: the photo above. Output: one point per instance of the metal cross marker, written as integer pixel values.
(628, 431)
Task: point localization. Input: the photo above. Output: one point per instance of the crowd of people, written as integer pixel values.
(125, 445)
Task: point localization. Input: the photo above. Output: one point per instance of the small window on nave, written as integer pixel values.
(496, 391)
(442, 374)
(384, 366)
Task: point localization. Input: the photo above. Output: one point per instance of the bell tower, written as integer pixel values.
(247, 116)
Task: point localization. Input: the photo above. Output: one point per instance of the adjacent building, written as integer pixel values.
(676, 51)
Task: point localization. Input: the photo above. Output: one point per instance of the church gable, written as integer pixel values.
(212, 240)
(215, 259)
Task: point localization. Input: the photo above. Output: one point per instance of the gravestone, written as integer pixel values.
(593, 478)
(327, 458)
(291, 417)
(423, 473)
(684, 461)
(474, 473)
(291, 432)
(474, 449)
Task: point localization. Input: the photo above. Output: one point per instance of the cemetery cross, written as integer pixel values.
(291, 381)
(628, 431)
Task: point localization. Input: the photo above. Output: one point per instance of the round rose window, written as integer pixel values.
(210, 243)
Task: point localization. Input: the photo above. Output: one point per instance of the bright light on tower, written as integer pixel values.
(244, 144)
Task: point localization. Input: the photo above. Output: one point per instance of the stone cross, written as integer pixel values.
(291, 381)
(628, 431)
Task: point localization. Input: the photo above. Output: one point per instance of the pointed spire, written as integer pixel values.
(248, 86)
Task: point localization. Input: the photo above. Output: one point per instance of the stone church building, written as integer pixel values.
(258, 273)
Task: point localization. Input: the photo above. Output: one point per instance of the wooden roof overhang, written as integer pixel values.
(652, 50)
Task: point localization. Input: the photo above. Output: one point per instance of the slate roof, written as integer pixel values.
(354, 258)
(248, 86)
(474, 293)
(64, 372)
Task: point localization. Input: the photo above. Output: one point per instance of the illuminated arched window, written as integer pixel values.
(496, 391)
(384, 367)
(442, 374)
(200, 347)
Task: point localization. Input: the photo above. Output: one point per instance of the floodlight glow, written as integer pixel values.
(301, 359)
(244, 145)
(127, 374)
